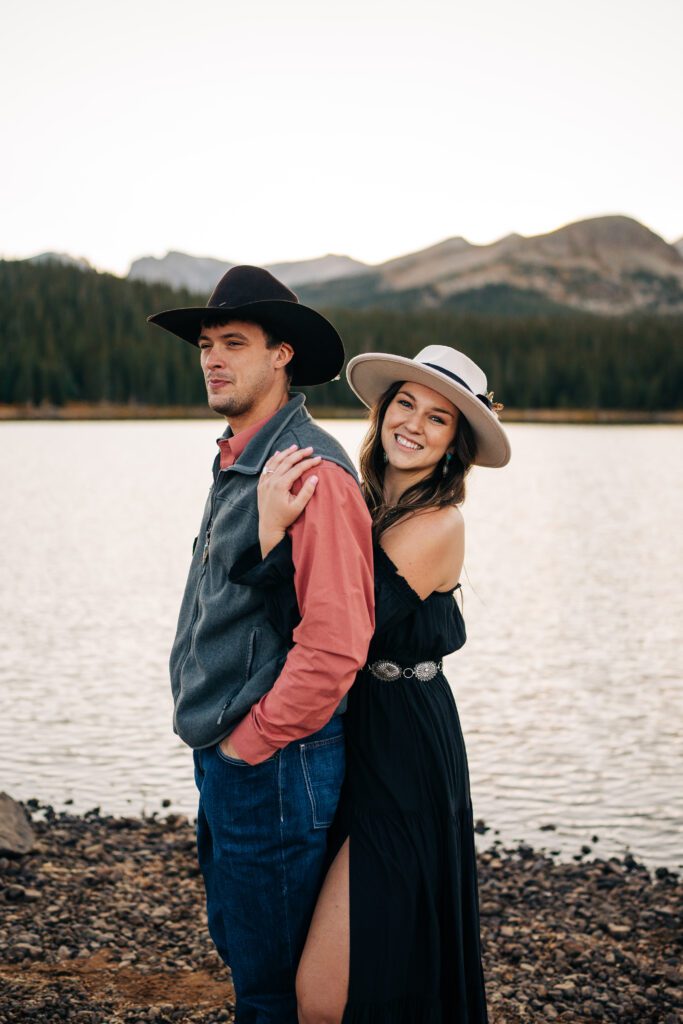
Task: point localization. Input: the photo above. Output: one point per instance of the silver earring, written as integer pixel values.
(385, 458)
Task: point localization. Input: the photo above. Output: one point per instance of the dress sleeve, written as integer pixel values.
(251, 570)
(274, 577)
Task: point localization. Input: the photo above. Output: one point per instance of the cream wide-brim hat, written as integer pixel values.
(453, 374)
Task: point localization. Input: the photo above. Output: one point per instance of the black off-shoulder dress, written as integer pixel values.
(406, 808)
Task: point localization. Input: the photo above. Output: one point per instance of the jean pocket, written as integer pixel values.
(322, 763)
(238, 762)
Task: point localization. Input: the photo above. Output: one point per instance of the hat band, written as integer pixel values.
(483, 398)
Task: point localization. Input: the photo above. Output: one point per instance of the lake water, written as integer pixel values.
(569, 687)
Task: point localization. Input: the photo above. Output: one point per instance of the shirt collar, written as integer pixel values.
(232, 447)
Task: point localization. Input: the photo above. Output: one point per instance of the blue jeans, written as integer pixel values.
(262, 843)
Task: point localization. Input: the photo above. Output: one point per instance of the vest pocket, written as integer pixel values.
(252, 647)
(322, 763)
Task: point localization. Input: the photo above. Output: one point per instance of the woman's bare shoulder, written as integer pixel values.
(437, 525)
(428, 548)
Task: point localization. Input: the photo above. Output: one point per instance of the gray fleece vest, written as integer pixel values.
(226, 655)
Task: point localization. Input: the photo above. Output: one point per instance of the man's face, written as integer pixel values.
(240, 371)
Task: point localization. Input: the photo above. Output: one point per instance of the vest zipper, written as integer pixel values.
(205, 558)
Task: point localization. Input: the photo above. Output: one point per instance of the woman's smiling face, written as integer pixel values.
(419, 427)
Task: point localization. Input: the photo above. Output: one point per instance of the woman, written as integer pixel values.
(395, 934)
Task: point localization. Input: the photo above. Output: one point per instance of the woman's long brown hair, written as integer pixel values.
(435, 491)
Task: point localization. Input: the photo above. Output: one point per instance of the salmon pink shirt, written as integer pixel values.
(333, 579)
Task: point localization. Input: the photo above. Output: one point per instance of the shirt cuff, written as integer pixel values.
(249, 744)
(251, 570)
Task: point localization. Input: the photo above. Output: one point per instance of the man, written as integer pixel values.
(263, 712)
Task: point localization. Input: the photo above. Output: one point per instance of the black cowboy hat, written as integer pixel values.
(251, 293)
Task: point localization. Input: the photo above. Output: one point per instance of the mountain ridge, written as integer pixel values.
(65, 259)
(201, 273)
(609, 265)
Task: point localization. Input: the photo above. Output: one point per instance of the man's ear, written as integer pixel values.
(285, 354)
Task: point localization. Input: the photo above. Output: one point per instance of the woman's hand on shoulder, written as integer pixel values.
(278, 505)
(428, 549)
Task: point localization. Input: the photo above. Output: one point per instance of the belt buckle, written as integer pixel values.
(425, 670)
(389, 671)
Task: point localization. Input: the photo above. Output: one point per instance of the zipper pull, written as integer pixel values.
(205, 552)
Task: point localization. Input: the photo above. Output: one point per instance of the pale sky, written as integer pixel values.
(280, 131)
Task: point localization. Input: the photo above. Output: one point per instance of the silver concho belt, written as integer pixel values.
(389, 671)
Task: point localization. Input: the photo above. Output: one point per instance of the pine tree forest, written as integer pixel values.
(68, 335)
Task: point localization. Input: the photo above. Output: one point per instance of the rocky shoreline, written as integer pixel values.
(103, 922)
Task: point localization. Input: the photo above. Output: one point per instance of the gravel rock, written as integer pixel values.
(619, 931)
(16, 835)
(15, 892)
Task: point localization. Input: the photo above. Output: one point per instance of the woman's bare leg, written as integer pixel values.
(322, 981)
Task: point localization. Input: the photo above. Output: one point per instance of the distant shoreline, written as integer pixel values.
(110, 411)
